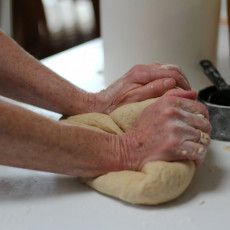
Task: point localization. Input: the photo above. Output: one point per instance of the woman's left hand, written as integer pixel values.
(140, 83)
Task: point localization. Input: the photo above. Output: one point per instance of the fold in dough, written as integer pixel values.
(158, 182)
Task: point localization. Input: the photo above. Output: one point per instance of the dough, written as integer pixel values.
(158, 182)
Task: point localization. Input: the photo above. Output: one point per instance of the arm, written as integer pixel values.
(167, 130)
(24, 78)
(28, 140)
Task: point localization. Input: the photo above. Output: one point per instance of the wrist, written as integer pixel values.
(128, 151)
(94, 102)
(91, 154)
(115, 154)
(104, 101)
(88, 102)
(81, 102)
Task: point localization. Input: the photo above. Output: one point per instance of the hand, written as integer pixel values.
(140, 83)
(175, 127)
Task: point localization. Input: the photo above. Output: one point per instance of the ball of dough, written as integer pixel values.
(158, 182)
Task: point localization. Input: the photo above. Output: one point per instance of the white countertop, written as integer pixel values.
(32, 200)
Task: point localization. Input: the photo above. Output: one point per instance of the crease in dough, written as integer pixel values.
(157, 183)
(98, 121)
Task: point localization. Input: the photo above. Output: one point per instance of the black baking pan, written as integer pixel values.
(217, 100)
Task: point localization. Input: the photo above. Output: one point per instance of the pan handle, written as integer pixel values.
(213, 74)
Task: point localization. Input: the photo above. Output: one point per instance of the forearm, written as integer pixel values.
(24, 78)
(28, 140)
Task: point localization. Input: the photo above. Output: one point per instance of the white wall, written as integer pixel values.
(5, 16)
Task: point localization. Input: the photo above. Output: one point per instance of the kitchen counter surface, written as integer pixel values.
(36, 200)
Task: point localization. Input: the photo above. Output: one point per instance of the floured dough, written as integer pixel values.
(158, 182)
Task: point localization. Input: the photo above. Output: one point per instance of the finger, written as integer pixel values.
(192, 151)
(151, 90)
(148, 73)
(197, 121)
(202, 124)
(175, 68)
(169, 66)
(159, 87)
(198, 136)
(179, 78)
(194, 146)
(184, 132)
(188, 105)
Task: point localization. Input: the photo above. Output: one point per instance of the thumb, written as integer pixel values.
(161, 86)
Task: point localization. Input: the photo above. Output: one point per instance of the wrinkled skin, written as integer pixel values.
(168, 130)
(140, 83)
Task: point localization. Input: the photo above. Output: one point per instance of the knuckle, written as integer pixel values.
(175, 74)
(170, 112)
(172, 146)
(165, 100)
(137, 68)
(174, 129)
(136, 72)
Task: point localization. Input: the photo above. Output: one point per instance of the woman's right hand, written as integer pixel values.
(174, 128)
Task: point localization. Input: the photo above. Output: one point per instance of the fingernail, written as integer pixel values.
(184, 152)
(168, 66)
(201, 150)
(200, 115)
(204, 138)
